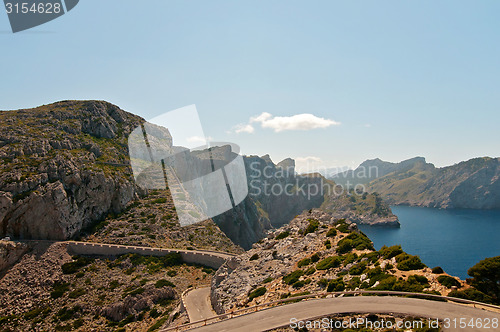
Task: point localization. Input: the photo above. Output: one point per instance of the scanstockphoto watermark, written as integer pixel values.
(276, 181)
(361, 323)
(27, 14)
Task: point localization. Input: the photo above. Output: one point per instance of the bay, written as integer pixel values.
(454, 239)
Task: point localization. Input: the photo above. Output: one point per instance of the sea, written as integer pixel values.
(455, 239)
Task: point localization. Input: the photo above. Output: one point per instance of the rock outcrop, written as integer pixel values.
(10, 253)
(63, 167)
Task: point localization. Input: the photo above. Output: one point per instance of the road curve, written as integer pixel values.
(306, 310)
(198, 306)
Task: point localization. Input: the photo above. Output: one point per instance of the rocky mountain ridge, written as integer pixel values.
(472, 184)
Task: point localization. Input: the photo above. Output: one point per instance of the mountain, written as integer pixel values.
(372, 169)
(63, 167)
(472, 184)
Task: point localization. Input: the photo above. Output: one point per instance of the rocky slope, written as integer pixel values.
(313, 253)
(472, 184)
(63, 166)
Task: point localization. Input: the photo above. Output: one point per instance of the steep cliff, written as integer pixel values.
(63, 166)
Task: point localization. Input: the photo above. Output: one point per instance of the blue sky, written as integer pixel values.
(396, 79)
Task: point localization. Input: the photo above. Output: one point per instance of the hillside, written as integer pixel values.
(470, 184)
(317, 252)
(63, 167)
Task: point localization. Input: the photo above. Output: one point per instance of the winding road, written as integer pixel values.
(309, 310)
(198, 306)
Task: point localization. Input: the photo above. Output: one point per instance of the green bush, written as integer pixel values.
(437, 270)
(310, 271)
(256, 293)
(327, 263)
(312, 227)
(418, 279)
(342, 226)
(349, 258)
(448, 281)
(293, 277)
(354, 240)
(268, 279)
(328, 244)
(389, 252)
(471, 294)
(486, 277)
(75, 266)
(408, 262)
(298, 284)
(358, 268)
(336, 285)
(331, 232)
(59, 289)
(76, 293)
(304, 262)
(315, 258)
(282, 235)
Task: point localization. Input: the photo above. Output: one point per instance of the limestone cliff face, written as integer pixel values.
(63, 166)
(275, 195)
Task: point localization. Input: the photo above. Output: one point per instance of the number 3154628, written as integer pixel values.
(34, 8)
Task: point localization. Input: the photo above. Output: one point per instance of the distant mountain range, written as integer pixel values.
(472, 184)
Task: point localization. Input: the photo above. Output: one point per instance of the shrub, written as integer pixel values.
(389, 252)
(331, 232)
(310, 271)
(349, 258)
(293, 277)
(73, 267)
(298, 284)
(358, 268)
(486, 277)
(59, 289)
(312, 227)
(354, 240)
(342, 226)
(315, 258)
(162, 283)
(282, 235)
(327, 263)
(76, 293)
(322, 282)
(304, 262)
(268, 279)
(409, 262)
(336, 285)
(172, 273)
(415, 278)
(256, 293)
(158, 324)
(448, 281)
(471, 294)
(437, 270)
(254, 257)
(328, 244)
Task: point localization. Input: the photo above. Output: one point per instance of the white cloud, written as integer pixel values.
(303, 121)
(242, 128)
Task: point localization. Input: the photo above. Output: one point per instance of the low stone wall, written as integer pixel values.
(210, 259)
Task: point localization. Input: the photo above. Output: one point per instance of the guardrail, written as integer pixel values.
(249, 310)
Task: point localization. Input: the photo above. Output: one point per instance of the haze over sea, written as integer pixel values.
(453, 239)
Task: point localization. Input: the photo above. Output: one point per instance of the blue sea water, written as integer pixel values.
(453, 239)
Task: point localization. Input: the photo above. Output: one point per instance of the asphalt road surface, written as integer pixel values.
(308, 310)
(198, 304)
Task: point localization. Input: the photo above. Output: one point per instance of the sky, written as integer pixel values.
(328, 83)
